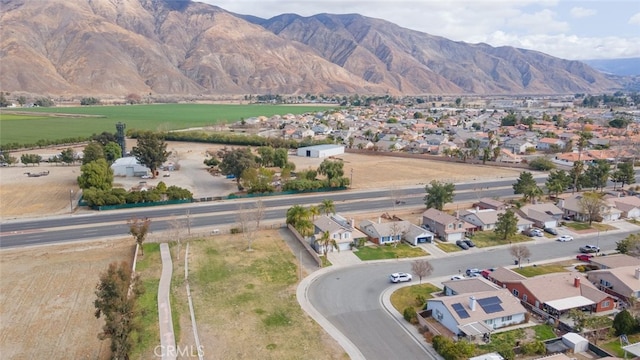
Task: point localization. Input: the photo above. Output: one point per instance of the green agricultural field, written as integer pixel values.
(70, 122)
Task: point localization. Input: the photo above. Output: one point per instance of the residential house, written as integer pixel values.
(557, 293)
(445, 226)
(360, 143)
(486, 219)
(489, 203)
(478, 314)
(517, 146)
(390, 232)
(321, 129)
(302, 133)
(622, 282)
(507, 156)
(543, 215)
(340, 230)
(572, 207)
(467, 286)
(547, 143)
(628, 205)
(501, 276)
(615, 261)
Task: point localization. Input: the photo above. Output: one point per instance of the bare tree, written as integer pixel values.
(520, 252)
(244, 221)
(397, 232)
(258, 213)
(139, 228)
(591, 203)
(422, 268)
(175, 232)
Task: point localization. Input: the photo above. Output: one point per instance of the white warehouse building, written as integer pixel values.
(321, 151)
(129, 166)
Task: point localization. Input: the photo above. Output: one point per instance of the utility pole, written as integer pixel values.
(351, 182)
(71, 200)
(188, 224)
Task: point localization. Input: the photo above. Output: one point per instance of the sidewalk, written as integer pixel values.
(167, 336)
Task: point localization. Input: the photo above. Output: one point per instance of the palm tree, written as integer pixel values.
(327, 207)
(532, 193)
(314, 211)
(325, 242)
(296, 214)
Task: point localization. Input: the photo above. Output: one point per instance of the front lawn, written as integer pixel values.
(447, 246)
(380, 252)
(415, 296)
(578, 226)
(585, 226)
(531, 271)
(490, 238)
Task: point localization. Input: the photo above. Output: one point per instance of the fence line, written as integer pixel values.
(193, 316)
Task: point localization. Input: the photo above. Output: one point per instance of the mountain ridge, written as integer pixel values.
(117, 47)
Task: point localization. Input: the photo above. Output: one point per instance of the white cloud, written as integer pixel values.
(570, 46)
(579, 12)
(635, 19)
(541, 22)
(531, 24)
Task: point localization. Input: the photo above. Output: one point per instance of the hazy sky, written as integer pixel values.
(576, 30)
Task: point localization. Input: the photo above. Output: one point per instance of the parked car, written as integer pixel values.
(584, 257)
(469, 242)
(400, 277)
(486, 272)
(457, 277)
(589, 249)
(145, 177)
(533, 232)
(463, 245)
(473, 272)
(564, 238)
(551, 231)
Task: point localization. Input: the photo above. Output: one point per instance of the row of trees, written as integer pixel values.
(253, 172)
(96, 177)
(302, 220)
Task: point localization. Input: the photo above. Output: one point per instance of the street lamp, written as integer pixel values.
(598, 243)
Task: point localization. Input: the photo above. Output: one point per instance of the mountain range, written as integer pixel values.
(179, 47)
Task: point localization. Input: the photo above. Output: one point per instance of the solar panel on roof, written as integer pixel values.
(489, 301)
(462, 313)
(489, 309)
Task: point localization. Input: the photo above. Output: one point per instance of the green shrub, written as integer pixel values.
(410, 315)
(534, 347)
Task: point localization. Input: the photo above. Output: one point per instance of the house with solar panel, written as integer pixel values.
(478, 314)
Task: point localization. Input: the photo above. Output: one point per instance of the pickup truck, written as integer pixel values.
(589, 249)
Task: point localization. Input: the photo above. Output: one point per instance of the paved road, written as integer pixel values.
(350, 298)
(223, 213)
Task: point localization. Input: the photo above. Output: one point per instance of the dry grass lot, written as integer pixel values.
(46, 300)
(46, 293)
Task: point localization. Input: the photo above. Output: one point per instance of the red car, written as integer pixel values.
(584, 257)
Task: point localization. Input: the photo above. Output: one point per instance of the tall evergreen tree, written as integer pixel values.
(150, 151)
(116, 294)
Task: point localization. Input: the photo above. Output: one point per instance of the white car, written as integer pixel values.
(564, 238)
(457, 277)
(400, 277)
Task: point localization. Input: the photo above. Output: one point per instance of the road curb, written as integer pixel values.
(302, 295)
